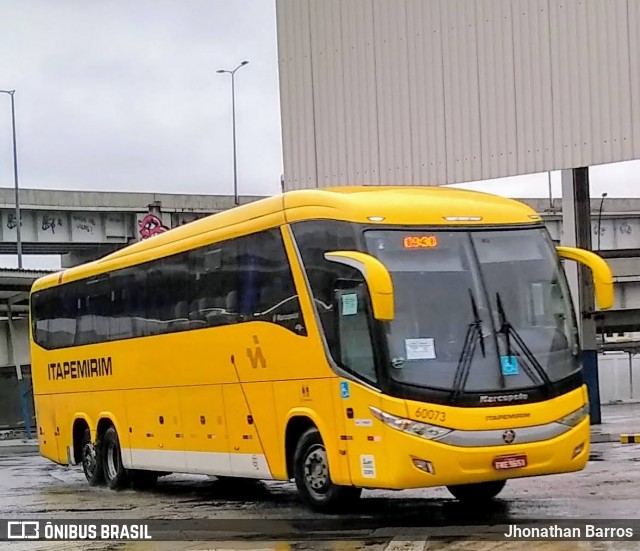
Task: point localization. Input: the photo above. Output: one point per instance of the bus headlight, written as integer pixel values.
(423, 430)
(575, 417)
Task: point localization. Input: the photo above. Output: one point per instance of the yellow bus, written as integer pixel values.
(347, 338)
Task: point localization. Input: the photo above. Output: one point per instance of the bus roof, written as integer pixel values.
(401, 205)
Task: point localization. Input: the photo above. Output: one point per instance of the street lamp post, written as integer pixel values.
(600, 217)
(233, 115)
(15, 175)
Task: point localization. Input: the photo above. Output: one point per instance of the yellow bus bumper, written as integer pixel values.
(462, 465)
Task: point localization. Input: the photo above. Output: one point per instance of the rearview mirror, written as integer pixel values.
(602, 277)
(377, 277)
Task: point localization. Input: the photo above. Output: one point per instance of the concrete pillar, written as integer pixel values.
(576, 223)
(22, 388)
(156, 208)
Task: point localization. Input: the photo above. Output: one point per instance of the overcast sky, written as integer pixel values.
(124, 95)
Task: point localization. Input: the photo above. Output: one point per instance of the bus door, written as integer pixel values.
(355, 353)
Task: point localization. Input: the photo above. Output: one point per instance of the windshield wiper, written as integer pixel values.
(510, 332)
(477, 322)
(474, 334)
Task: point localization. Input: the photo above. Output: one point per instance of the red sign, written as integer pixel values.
(503, 462)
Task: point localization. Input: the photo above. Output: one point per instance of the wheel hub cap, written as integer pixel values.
(316, 470)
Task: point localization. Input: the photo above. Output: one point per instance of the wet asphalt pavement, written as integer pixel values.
(33, 487)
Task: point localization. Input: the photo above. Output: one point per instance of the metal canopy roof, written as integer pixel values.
(15, 285)
(432, 92)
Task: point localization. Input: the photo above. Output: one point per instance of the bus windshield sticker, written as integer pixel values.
(509, 365)
(349, 304)
(344, 389)
(420, 349)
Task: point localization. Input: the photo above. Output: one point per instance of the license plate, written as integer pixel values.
(503, 462)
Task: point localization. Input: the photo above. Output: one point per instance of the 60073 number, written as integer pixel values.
(431, 414)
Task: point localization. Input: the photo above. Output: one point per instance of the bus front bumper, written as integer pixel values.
(413, 462)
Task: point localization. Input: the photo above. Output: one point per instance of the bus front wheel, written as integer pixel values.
(313, 480)
(91, 460)
(115, 475)
(478, 492)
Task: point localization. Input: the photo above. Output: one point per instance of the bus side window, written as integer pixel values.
(351, 308)
(265, 290)
(314, 238)
(41, 319)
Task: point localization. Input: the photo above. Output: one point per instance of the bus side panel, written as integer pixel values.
(247, 456)
(46, 421)
(90, 407)
(262, 406)
(156, 439)
(314, 399)
(365, 445)
(64, 422)
(205, 430)
(340, 406)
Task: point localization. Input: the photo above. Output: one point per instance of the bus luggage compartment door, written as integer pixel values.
(245, 450)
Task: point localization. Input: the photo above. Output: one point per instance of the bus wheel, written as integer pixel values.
(311, 472)
(115, 475)
(91, 461)
(480, 491)
(143, 480)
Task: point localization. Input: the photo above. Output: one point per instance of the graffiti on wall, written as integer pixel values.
(150, 226)
(50, 223)
(12, 221)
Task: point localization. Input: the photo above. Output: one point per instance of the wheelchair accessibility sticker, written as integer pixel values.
(509, 365)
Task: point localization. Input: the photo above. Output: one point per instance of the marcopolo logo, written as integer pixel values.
(503, 398)
(81, 369)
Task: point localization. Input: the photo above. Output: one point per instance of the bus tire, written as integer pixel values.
(115, 475)
(478, 492)
(91, 460)
(143, 480)
(313, 480)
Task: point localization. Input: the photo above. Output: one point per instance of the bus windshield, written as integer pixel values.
(503, 289)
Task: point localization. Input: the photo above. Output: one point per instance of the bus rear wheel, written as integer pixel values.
(91, 460)
(478, 492)
(313, 480)
(115, 475)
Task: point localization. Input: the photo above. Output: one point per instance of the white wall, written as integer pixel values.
(615, 378)
(429, 92)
